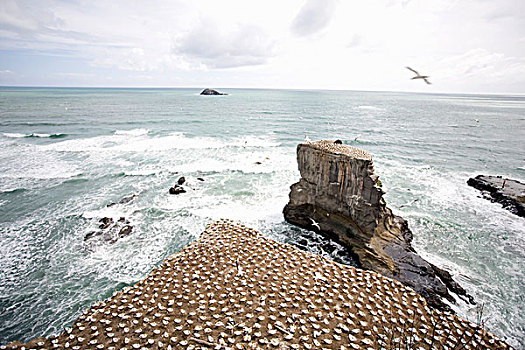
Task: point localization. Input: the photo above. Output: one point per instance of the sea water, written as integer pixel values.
(65, 154)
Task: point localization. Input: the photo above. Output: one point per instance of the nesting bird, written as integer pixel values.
(332, 147)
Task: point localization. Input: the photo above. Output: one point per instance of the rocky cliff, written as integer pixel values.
(338, 196)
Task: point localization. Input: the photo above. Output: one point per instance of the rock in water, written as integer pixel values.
(211, 92)
(338, 195)
(105, 222)
(509, 193)
(125, 231)
(181, 180)
(123, 200)
(110, 232)
(177, 190)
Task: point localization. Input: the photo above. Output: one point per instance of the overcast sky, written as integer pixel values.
(463, 45)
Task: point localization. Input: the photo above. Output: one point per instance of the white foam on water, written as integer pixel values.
(142, 172)
(249, 212)
(115, 212)
(79, 145)
(14, 135)
(248, 163)
(370, 108)
(147, 143)
(32, 164)
(132, 132)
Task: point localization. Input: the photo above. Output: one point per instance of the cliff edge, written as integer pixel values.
(338, 196)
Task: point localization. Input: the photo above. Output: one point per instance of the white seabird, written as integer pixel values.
(315, 224)
(419, 76)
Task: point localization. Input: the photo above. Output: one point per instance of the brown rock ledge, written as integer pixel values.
(235, 289)
(338, 195)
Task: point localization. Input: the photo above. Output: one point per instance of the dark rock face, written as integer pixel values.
(181, 180)
(338, 197)
(509, 193)
(211, 92)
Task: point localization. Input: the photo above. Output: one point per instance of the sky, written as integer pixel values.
(464, 46)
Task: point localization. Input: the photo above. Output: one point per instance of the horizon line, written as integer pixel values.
(259, 88)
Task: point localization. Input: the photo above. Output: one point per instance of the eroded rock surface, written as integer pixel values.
(338, 196)
(509, 193)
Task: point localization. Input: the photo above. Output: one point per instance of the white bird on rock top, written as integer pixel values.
(419, 76)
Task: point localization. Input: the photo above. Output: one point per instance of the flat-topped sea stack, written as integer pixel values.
(235, 289)
(509, 193)
(338, 195)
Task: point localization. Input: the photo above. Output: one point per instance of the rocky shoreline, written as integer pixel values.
(338, 196)
(509, 193)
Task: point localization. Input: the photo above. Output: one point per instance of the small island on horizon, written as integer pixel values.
(211, 92)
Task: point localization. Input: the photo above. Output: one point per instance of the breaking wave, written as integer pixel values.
(35, 135)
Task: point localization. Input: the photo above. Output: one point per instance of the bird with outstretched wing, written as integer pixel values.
(419, 76)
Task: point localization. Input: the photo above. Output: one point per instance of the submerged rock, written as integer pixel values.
(110, 232)
(124, 200)
(338, 196)
(510, 193)
(211, 92)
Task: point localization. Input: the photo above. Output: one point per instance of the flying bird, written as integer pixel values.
(315, 224)
(419, 76)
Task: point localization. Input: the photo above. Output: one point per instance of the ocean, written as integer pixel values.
(68, 153)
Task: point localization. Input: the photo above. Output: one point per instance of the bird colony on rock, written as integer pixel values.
(235, 289)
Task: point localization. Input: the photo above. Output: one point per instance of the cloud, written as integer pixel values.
(133, 59)
(42, 29)
(355, 41)
(19, 18)
(211, 46)
(486, 70)
(314, 16)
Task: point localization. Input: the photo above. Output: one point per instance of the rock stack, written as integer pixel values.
(338, 196)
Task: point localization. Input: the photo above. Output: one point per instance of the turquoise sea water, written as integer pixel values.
(65, 154)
